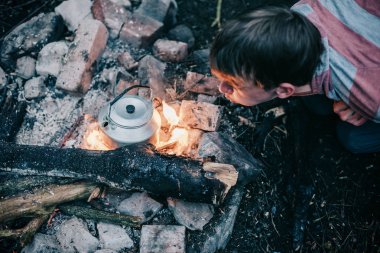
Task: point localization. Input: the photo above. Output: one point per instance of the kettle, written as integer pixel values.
(129, 119)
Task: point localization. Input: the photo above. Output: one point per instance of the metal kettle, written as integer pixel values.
(129, 119)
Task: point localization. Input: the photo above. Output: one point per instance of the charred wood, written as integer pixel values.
(12, 114)
(125, 168)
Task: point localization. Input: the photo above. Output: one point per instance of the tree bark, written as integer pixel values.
(125, 168)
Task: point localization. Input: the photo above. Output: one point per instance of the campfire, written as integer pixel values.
(169, 138)
(188, 162)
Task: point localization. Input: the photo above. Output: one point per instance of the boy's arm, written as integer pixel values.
(347, 114)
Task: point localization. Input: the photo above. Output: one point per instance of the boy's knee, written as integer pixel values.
(360, 139)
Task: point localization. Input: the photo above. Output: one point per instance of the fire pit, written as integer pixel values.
(154, 148)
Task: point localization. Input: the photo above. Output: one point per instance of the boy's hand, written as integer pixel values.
(347, 114)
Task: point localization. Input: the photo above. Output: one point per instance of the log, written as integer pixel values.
(126, 168)
(25, 234)
(41, 201)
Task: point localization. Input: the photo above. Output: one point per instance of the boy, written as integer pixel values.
(316, 47)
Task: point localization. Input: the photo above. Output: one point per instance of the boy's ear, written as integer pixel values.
(285, 90)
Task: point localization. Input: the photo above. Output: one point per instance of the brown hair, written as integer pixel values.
(269, 45)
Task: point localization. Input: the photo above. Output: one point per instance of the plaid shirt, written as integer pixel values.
(350, 65)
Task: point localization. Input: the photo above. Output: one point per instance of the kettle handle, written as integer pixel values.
(125, 91)
(122, 94)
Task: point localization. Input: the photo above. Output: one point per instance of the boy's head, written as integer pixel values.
(263, 50)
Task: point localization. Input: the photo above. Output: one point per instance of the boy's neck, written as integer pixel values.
(303, 90)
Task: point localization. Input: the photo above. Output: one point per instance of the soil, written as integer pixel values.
(343, 208)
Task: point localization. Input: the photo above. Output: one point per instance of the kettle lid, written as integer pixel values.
(131, 111)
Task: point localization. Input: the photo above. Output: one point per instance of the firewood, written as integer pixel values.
(25, 234)
(98, 215)
(41, 201)
(125, 168)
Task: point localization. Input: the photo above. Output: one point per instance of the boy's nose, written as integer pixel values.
(225, 88)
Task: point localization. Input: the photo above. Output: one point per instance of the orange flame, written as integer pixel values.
(94, 138)
(170, 114)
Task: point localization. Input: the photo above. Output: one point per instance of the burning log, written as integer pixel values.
(126, 168)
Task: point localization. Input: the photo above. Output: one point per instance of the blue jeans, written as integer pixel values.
(357, 139)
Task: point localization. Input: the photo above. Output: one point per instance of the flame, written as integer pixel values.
(181, 136)
(170, 114)
(94, 138)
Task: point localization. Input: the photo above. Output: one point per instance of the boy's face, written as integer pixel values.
(243, 92)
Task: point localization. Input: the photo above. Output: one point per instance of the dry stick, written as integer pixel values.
(98, 215)
(31, 204)
(218, 14)
(26, 233)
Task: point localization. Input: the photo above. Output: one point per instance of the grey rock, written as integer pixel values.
(161, 238)
(217, 234)
(192, 215)
(74, 236)
(26, 67)
(170, 50)
(113, 237)
(43, 244)
(141, 205)
(151, 73)
(30, 37)
(74, 12)
(35, 88)
(125, 3)
(200, 61)
(182, 33)
(164, 11)
(206, 98)
(50, 58)
(3, 78)
(227, 150)
(105, 251)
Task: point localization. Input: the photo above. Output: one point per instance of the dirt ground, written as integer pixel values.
(344, 206)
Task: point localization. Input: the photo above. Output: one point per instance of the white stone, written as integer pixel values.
(43, 244)
(125, 3)
(74, 12)
(141, 205)
(90, 41)
(113, 237)
(26, 67)
(73, 235)
(50, 58)
(192, 215)
(35, 88)
(160, 238)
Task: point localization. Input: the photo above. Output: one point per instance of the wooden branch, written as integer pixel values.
(98, 215)
(30, 205)
(25, 234)
(125, 168)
